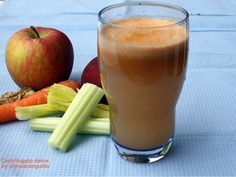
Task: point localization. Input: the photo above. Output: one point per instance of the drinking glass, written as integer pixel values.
(142, 54)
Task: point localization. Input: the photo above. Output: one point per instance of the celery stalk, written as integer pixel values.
(25, 113)
(60, 96)
(103, 107)
(98, 112)
(30, 112)
(81, 107)
(58, 90)
(58, 106)
(91, 126)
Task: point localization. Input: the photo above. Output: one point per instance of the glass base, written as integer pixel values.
(143, 156)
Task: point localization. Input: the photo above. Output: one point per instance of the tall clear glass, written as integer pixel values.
(142, 51)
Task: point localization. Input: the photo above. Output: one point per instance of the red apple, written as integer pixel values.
(91, 73)
(38, 57)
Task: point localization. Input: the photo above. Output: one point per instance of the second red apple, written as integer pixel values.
(91, 73)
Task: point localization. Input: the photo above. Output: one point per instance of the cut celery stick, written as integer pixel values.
(56, 99)
(55, 120)
(96, 126)
(103, 107)
(60, 96)
(95, 131)
(58, 103)
(58, 106)
(29, 112)
(58, 90)
(98, 112)
(81, 107)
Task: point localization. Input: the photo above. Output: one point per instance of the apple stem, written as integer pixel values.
(35, 31)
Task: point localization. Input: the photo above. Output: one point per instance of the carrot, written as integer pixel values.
(8, 113)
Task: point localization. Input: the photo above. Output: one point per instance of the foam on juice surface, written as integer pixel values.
(147, 32)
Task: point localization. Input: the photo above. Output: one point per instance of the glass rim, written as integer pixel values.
(144, 3)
